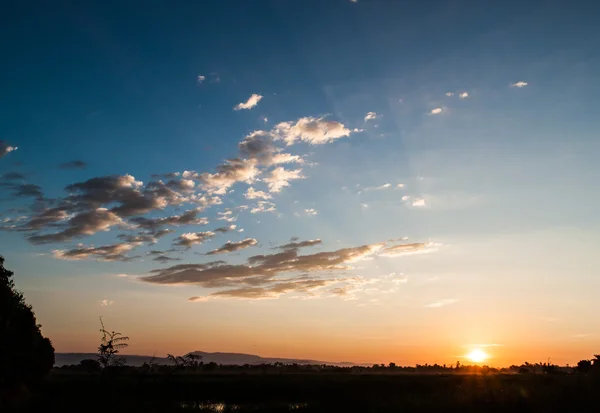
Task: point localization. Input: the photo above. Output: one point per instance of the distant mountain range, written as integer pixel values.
(66, 359)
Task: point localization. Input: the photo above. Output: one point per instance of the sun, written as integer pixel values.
(477, 355)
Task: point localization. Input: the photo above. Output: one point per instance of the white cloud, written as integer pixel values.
(418, 202)
(449, 94)
(519, 84)
(192, 238)
(463, 95)
(436, 111)
(263, 206)
(442, 303)
(279, 178)
(400, 186)
(315, 131)
(6, 149)
(106, 303)
(371, 116)
(250, 103)
(200, 79)
(311, 211)
(228, 173)
(252, 193)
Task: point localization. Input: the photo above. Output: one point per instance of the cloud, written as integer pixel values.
(226, 229)
(106, 303)
(12, 176)
(371, 116)
(24, 190)
(46, 218)
(279, 178)
(231, 246)
(114, 252)
(163, 259)
(263, 206)
(379, 188)
(463, 95)
(5, 149)
(226, 216)
(193, 238)
(314, 131)
(311, 211)
(449, 94)
(187, 218)
(228, 173)
(264, 276)
(519, 84)
(436, 111)
(150, 237)
(414, 201)
(86, 223)
(200, 79)
(418, 202)
(73, 165)
(442, 303)
(259, 145)
(295, 245)
(130, 195)
(250, 103)
(409, 249)
(252, 193)
(262, 269)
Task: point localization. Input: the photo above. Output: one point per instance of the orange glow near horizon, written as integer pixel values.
(477, 356)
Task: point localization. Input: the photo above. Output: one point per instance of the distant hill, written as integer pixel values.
(65, 359)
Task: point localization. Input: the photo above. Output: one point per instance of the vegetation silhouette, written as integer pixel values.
(26, 356)
(186, 383)
(109, 348)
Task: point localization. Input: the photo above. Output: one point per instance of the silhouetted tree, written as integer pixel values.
(90, 365)
(584, 366)
(25, 355)
(112, 342)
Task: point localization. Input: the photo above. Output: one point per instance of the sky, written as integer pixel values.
(366, 181)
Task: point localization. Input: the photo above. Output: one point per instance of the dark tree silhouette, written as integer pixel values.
(25, 355)
(112, 342)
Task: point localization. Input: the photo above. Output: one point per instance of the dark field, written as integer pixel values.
(80, 392)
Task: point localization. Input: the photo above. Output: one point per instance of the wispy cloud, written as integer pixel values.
(436, 111)
(519, 84)
(267, 275)
(200, 79)
(115, 252)
(231, 246)
(371, 116)
(311, 211)
(73, 165)
(250, 103)
(280, 178)
(442, 303)
(5, 148)
(106, 303)
(192, 238)
(315, 131)
(463, 95)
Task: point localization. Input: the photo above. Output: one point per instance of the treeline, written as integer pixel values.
(192, 364)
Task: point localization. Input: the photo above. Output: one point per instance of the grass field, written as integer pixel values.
(80, 392)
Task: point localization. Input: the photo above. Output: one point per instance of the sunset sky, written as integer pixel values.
(366, 181)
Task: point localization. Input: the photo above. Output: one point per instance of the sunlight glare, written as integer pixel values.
(477, 355)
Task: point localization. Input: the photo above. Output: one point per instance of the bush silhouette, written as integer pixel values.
(25, 355)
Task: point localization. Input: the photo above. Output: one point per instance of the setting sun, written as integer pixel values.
(477, 355)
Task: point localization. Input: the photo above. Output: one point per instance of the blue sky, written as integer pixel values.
(443, 153)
